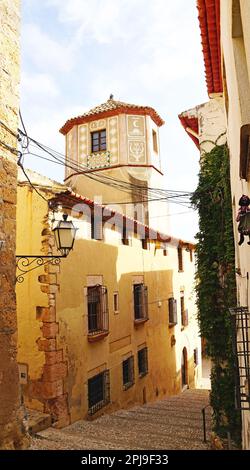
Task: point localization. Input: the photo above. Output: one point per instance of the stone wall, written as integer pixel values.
(11, 429)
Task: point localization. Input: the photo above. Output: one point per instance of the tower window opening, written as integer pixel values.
(98, 141)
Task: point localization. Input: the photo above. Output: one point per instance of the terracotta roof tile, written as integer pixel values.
(68, 199)
(189, 120)
(209, 20)
(109, 108)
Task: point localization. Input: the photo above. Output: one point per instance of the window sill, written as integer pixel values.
(97, 407)
(92, 338)
(143, 374)
(140, 321)
(128, 385)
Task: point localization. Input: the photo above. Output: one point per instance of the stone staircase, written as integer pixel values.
(172, 423)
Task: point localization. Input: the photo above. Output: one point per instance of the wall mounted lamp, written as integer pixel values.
(65, 234)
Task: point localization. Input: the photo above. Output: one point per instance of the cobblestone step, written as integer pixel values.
(172, 423)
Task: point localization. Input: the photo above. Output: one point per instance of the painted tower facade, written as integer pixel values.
(113, 155)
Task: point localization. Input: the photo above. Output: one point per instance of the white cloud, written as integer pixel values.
(45, 53)
(38, 85)
(144, 51)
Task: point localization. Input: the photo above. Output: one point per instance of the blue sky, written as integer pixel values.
(75, 53)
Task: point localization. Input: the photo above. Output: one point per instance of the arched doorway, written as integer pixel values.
(184, 368)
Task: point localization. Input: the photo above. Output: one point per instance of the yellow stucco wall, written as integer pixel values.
(118, 265)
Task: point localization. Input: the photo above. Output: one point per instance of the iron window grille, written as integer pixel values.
(98, 141)
(140, 302)
(143, 361)
(241, 346)
(172, 311)
(128, 373)
(98, 392)
(98, 313)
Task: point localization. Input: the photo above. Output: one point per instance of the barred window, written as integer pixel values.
(140, 302)
(128, 372)
(143, 361)
(98, 392)
(98, 314)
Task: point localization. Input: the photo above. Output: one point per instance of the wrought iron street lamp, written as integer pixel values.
(65, 234)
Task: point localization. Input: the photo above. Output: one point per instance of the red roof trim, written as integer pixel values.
(192, 123)
(140, 111)
(95, 170)
(68, 199)
(209, 20)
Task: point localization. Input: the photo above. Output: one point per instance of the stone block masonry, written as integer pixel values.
(12, 434)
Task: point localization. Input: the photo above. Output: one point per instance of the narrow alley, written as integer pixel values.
(173, 423)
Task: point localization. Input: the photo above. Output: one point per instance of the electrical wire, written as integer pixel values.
(153, 194)
(31, 184)
(79, 167)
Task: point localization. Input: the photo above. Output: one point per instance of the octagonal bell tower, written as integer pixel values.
(113, 155)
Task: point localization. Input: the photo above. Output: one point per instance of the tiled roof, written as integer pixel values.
(209, 19)
(68, 199)
(189, 121)
(110, 108)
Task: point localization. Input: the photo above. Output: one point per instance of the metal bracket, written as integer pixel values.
(26, 263)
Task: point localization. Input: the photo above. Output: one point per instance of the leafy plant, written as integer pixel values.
(215, 283)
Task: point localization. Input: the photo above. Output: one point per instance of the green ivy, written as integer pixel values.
(215, 283)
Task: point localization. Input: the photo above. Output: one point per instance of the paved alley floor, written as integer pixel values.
(172, 423)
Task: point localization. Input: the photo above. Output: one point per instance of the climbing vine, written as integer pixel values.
(215, 283)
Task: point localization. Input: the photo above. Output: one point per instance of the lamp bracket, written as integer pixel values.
(27, 263)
